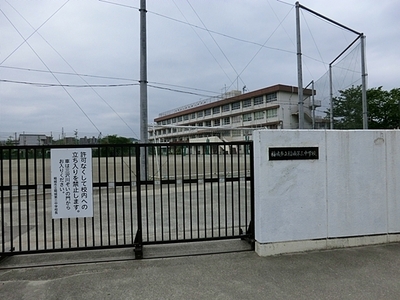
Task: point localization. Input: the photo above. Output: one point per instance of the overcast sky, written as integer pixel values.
(196, 49)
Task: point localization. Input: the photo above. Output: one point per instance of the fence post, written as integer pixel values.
(138, 238)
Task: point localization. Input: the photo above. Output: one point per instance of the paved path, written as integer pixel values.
(371, 272)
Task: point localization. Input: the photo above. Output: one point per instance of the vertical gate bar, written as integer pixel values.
(77, 231)
(232, 192)
(108, 197)
(123, 193)
(161, 196)
(130, 149)
(183, 153)
(19, 197)
(168, 196)
(99, 155)
(225, 191)
(36, 196)
(246, 194)
(176, 194)
(218, 191)
(154, 172)
(211, 188)
(44, 202)
(2, 200)
(138, 238)
(115, 194)
(27, 203)
(146, 184)
(204, 190)
(11, 197)
(190, 191)
(239, 184)
(252, 192)
(197, 191)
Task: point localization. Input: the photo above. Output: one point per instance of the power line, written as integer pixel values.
(55, 77)
(25, 40)
(67, 85)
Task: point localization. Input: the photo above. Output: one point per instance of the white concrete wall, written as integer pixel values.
(352, 190)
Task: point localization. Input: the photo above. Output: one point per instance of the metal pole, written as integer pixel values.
(299, 69)
(364, 84)
(313, 104)
(331, 94)
(143, 89)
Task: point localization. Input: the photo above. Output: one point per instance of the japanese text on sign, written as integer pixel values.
(71, 173)
(293, 153)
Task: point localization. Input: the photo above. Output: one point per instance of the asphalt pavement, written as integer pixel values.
(204, 271)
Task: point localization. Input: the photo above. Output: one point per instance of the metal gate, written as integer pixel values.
(142, 194)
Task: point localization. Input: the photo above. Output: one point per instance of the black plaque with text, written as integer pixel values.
(293, 153)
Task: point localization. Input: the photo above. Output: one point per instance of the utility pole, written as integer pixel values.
(299, 69)
(143, 90)
(143, 74)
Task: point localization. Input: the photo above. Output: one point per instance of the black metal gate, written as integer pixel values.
(142, 194)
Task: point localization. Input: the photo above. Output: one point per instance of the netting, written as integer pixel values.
(346, 73)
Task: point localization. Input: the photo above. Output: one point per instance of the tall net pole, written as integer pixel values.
(364, 84)
(299, 68)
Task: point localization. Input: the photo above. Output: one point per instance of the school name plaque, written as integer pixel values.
(293, 153)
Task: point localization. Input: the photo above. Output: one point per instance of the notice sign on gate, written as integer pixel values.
(71, 183)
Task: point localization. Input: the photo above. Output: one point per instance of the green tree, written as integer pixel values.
(383, 109)
(113, 150)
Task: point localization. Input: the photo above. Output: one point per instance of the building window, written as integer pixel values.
(246, 103)
(236, 119)
(272, 113)
(271, 97)
(235, 105)
(246, 117)
(258, 100)
(217, 122)
(200, 114)
(164, 122)
(216, 110)
(236, 133)
(180, 119)
(169, 121)
(258, 115)
(207, 123)
(186, 117)
(200, 124)
(225, 108)
(207, 112)
(226, 121)
(193, 116)
(226, 133)
(173, 120)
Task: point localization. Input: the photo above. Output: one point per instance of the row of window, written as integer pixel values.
(224, 108)
(259, 115)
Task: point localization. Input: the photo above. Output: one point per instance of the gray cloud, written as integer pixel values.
(102, 39)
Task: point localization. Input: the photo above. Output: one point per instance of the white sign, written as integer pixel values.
(71, 184)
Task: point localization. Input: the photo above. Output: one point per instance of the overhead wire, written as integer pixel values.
(91, 86)
(208, 49)
(46, 66)
(219, 47)
(24, 40)
(262, 46)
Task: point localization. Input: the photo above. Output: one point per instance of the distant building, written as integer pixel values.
(88, 141)
(34, 139)
(233, 116)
